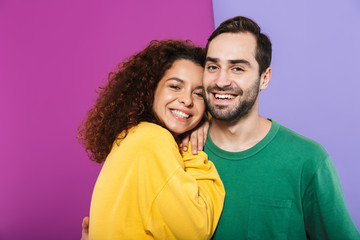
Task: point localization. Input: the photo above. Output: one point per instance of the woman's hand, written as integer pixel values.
(197, 137)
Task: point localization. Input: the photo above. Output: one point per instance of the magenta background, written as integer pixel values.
(315, 83)
(53, 55)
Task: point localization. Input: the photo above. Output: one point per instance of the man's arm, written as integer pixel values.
(85, 229)
(325, 212)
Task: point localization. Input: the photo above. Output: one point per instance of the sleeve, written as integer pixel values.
(189, 203)
(325, 212)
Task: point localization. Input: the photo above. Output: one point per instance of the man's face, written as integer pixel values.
(231, 78)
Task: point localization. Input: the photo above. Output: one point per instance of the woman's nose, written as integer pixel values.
(186, 99)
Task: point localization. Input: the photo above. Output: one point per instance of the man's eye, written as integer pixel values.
(211, 67)
(237, 69)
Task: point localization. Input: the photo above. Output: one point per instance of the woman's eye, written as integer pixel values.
(174, 87)
(199, 94)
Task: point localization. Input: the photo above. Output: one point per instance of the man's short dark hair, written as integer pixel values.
(242, 24)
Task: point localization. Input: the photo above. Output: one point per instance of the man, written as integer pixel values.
(279, 184)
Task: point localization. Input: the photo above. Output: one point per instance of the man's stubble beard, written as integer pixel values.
(241, 109)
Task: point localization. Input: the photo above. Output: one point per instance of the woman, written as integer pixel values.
(147, 189)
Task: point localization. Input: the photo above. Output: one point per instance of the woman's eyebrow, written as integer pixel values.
(182, 81)
(176, 79)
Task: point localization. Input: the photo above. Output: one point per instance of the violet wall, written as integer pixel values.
(315, 82)
(53, 55)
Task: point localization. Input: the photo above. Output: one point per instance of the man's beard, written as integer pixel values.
(222, 112)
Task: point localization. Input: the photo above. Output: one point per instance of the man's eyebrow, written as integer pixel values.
(243, 61)
(210, 59)
(231, 61)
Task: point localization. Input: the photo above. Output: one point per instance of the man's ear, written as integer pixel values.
(265, 78)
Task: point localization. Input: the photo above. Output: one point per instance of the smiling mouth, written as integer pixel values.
(180, 114)
(224, 96)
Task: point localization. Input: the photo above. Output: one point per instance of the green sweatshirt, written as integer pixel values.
(285, 187)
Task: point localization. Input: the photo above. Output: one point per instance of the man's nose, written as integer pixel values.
(222, 79)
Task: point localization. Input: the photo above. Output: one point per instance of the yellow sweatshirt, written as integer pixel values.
(147, 190)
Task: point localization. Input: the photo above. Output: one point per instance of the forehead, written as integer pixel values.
(229, 46)
(186, 70)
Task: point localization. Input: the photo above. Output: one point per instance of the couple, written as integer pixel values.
(279, 184)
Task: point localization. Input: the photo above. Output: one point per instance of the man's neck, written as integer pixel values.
(239, 135)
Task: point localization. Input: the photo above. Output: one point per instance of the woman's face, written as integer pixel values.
(178, 101)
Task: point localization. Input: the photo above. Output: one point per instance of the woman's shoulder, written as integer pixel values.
(150, 129)
(152, 140)
(147, 132)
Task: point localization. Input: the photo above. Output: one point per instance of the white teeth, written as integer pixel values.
(180, 114)
(224, 96)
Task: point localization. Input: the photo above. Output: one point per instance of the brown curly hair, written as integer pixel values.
(128, 97)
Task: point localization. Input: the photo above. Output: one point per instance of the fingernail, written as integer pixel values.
(185, 149)
(194, 151)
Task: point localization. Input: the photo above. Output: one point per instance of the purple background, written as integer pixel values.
(315, 82)
(53, 55)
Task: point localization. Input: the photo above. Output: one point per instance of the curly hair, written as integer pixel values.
(128, 97)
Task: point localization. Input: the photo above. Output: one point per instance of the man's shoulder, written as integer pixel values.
(294, 140)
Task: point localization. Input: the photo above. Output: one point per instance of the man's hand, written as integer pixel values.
(85, 229)
(197, 137)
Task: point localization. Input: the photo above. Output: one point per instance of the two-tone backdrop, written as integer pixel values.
(53, 55)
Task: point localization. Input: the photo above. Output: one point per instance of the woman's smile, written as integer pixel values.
(178, 101)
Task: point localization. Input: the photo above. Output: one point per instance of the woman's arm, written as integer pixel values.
(189, 204)
(146, 188)
(197, 137)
